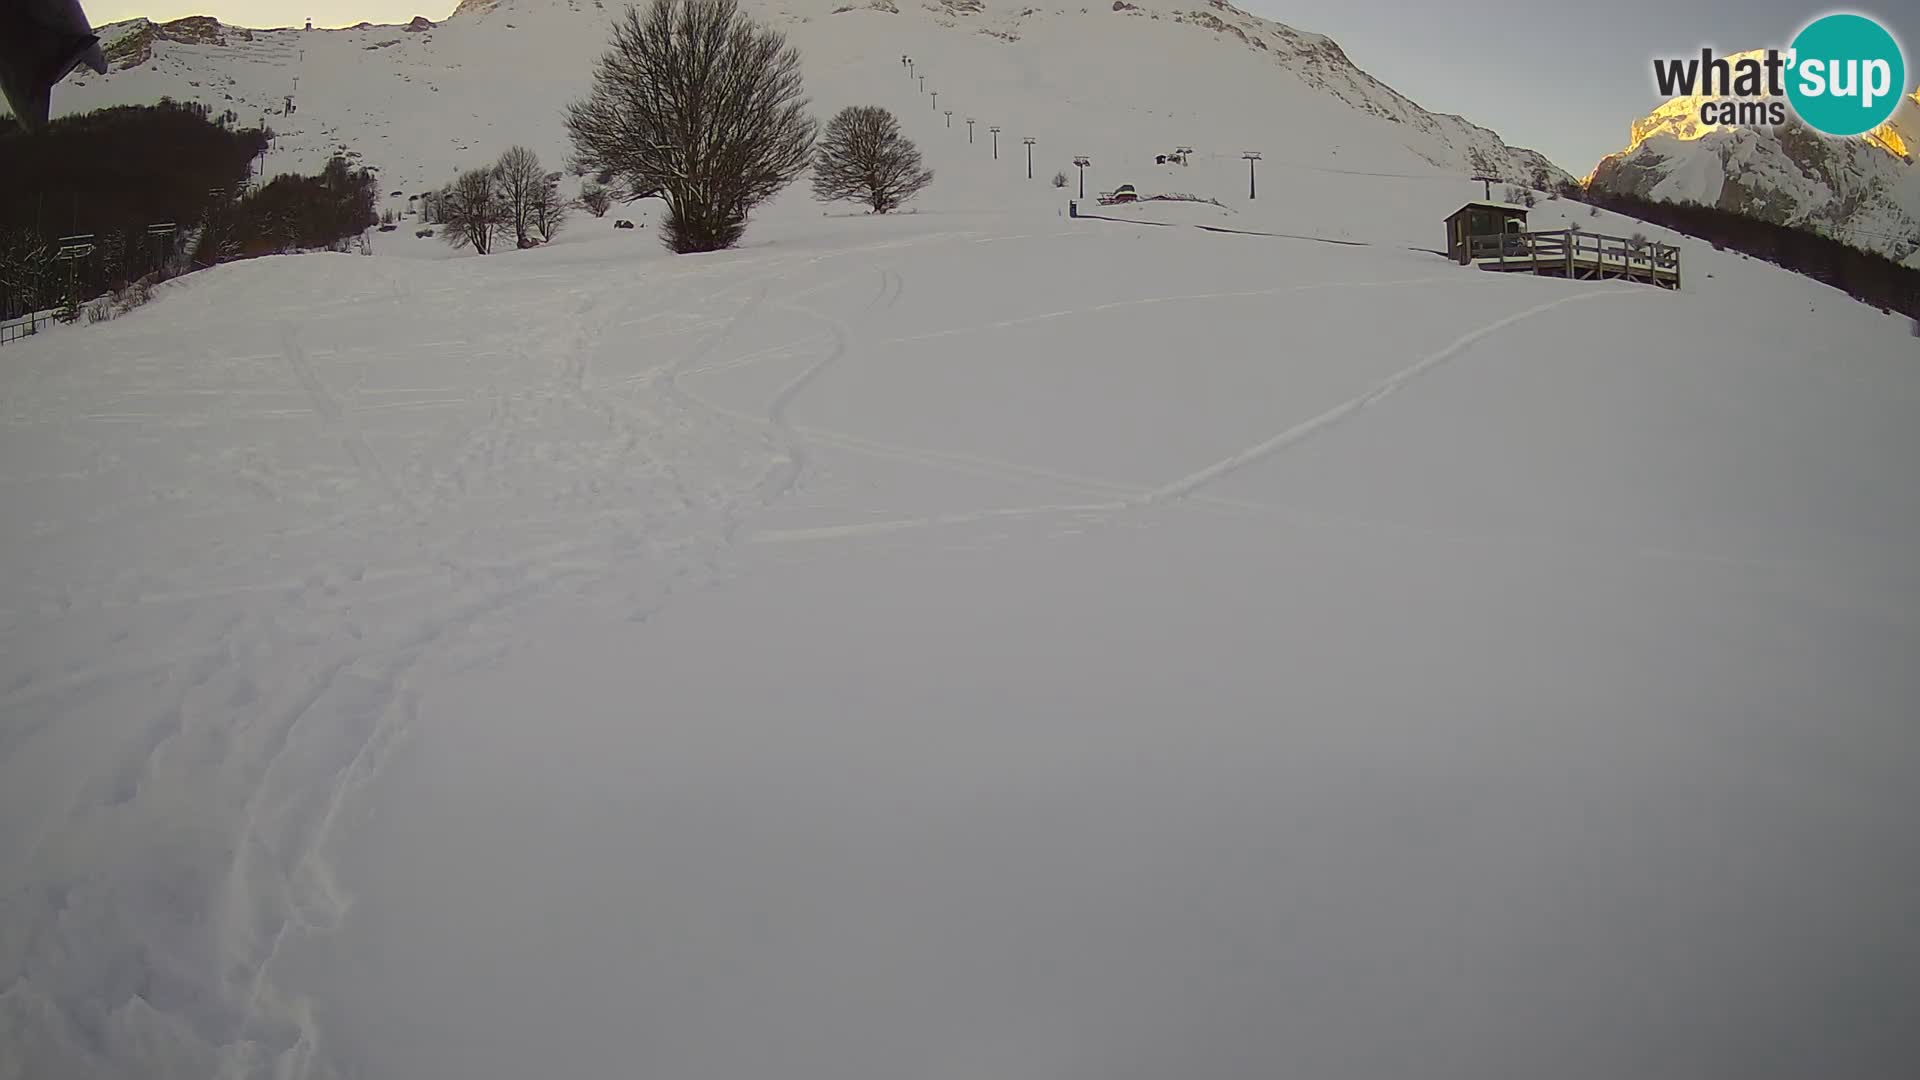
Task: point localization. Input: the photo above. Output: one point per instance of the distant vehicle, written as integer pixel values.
(1122, 194)
(41, 41)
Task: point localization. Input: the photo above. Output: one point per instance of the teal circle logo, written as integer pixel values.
(1845, 75)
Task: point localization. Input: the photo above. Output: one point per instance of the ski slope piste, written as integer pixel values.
(969, 642)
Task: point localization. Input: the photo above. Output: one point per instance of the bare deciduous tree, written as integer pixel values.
(696, 103)
(471, 212)
(520, 180)
(863, 156)
(595, 198)
(549, 209)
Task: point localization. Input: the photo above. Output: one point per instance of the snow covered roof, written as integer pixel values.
(1493, 205)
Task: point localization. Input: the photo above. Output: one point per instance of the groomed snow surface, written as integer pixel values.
(967, 644)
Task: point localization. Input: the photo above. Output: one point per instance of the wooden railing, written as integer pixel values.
(1574, 250)
(25, 326)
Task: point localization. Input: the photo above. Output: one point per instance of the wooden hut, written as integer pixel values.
(1481, 218)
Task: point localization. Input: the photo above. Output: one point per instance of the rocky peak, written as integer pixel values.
(1864, 190)
(135, 46)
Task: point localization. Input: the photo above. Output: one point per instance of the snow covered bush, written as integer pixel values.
(136, 294)
(696, 66)
(1059, 179)
(864, 157)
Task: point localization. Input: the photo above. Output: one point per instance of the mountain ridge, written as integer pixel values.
(191, 59)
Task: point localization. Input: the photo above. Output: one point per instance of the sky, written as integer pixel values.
(1572, 75)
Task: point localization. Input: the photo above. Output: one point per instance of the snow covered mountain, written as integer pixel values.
(420, 101)
(1864, 191)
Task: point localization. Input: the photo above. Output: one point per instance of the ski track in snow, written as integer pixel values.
(1113, 497)
(1125, 495)
(356, 672)
(1195, 481)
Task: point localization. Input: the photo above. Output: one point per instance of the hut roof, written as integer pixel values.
(1490, 205)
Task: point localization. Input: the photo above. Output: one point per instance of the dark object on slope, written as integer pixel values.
(40, 42)
(623, 223)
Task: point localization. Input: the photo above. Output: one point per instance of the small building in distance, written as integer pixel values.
(1481, 218)
(1494, 236)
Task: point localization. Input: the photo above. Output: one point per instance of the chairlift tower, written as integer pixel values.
(74, 247)
(949, 113)
(996, 142)
(71, 250)
(969, 131)
(1081, 164)
(161, 233)
(1251, 156)
(1029, 143)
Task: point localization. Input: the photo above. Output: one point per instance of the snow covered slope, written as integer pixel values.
(1865, 191)
(957, 644)
(421, 103)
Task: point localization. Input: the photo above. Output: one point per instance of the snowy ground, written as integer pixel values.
(959, 645)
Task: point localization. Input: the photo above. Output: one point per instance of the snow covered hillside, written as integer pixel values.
(1863, 191)
(1125, 82)
(972, 642)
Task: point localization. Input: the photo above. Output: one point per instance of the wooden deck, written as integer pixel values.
(1583, 255)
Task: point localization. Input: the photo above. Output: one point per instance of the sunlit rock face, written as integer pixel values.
(1864, 190)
